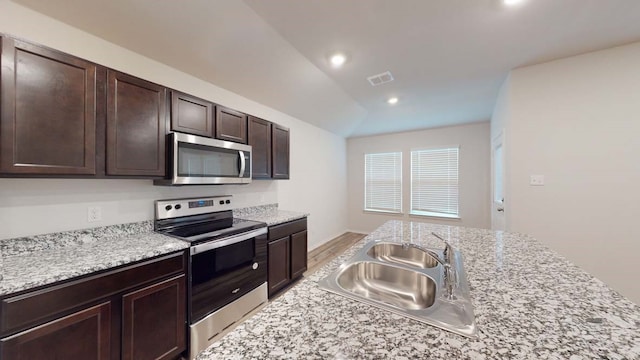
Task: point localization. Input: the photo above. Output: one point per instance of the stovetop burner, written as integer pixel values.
(196, 221)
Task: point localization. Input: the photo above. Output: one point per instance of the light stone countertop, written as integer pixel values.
(269, 214)
(529, 302)
(31, 262)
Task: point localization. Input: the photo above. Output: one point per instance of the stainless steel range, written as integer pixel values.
(227, 267)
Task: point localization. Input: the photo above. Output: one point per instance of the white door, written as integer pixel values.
(498, 207)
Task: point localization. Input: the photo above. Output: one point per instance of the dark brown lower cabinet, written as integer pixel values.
(153, 325)
(278, 268)
(298, 254)
(287, 253)
(82, 335)
(137, 311)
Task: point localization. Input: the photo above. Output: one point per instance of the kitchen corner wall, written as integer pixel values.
(474, 173)
(577, 122)
(35, 206)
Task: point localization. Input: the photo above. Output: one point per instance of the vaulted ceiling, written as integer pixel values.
(448, 57)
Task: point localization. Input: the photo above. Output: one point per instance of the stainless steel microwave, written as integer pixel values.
(197, 160)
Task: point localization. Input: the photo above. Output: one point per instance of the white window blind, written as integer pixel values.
(383, 182)
(434, 182)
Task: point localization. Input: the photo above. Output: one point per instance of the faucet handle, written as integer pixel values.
(448, 252)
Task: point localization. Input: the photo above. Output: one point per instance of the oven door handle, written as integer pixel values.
(227, 241)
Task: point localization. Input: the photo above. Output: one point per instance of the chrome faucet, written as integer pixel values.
(450, 276)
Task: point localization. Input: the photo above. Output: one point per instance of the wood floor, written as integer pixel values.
(330, 250)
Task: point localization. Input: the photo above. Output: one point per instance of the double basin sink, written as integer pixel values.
(409, 281)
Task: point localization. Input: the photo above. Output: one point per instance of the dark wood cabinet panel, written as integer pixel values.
(191, 115)
(48, 111)
(288, 228)
(154, 321)
(231, 125)
(21, 311)
(81, 335)
(280, 152)
(287, 253)
(298, 254)
(135, 126)
(259, 136)
(279, 264)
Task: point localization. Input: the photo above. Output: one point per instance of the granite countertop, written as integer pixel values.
(30, 262)
(529, 302)
(269, 214)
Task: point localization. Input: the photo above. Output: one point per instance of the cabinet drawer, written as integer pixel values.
(36, 307)
(286, 229)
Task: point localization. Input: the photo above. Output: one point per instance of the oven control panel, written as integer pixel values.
(171, 208)
(200, 203)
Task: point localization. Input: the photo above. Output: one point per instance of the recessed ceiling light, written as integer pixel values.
(511, 2)
(337, 60)
(393, 100)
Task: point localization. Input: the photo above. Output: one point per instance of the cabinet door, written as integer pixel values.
(280, 152)
(153, 321)
(48, 111)
(279, 269)
(260, 140)
(298, 254)
(81, 335)
(191, 115)
(135, 126)
(231, 125)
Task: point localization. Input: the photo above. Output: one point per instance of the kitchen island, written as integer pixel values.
(529, 302)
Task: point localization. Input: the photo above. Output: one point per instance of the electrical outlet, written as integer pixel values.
(94, 213)
(536, 180)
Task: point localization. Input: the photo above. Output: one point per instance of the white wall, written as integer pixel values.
(577, 122)
(499, 126)
(474, 174)
(35, 206)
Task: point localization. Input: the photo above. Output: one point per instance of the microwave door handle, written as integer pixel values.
(242, 163)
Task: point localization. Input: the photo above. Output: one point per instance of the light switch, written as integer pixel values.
(536, 180)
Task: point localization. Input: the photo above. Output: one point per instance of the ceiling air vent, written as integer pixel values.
(380, 79)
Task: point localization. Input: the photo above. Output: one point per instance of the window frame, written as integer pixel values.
(400, 183)
(433, 214)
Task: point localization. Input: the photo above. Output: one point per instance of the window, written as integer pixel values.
(383, 182)
(434, 182)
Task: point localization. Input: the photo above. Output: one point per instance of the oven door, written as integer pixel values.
(224, 270)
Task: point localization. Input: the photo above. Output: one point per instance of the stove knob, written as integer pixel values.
(178, 206)
(221, 202)
(255, 266)
(228, 201)
(168, 207)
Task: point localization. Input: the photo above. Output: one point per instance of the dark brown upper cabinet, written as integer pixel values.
(191, 115)
(280, 151)
(259, 135)
(135, 126)
(48, 111)
(231, 125)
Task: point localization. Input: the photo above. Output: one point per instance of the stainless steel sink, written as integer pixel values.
(396, 253)
(407, 281)
(388, 284)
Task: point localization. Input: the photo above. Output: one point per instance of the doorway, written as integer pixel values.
(498, 206)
